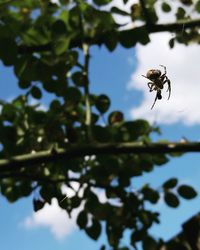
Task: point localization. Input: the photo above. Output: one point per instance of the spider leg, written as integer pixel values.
(158, 96)
(145, 77)
(154, 101)
(165, 69)
(151, 86)
(169, 86)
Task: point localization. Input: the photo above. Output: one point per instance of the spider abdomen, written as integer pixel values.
(153, 74)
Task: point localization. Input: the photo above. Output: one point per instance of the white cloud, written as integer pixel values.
(54, 218)
(182, 64)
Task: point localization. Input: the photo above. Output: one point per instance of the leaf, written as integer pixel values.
(8, 51)
(180, 14)
(38, 204)
(118, 11)
(187, 192)
(171, 183)
(137, 235)
(58, 28)
(187, 2)
(115, 117)
(136, 12)
(95, 230)
(79, 79)
(171, 199)
(72, 96)
(171, 43)
(136, 129)
(102, 103)
(110, 39)
(61, 45)
(129, 38)
(8, 112)
(82, 220)
(150, 194)
(24, 84)
(160, 159)
(149, 243)
(102, 2)
(101, 134)
(197, 6)
(166, 7)
(36, 92)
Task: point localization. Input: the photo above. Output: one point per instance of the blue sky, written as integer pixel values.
(118, 75)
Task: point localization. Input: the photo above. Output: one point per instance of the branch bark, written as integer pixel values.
(77, 151)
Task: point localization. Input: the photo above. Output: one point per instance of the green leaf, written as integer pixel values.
(197, 6)
(171, 199)
(79, 79)
(61, 45)
(115, 117)
(102, 103)
(8, 51)
(118, 11)
(8, 112)
(95, 230)
(166, 7)
(82, 220)
(180, 14)
(129, 38)
(102, 2)
(187, 192)
(136, 129)
(187, 2)
(59, 28)
(171, 183)
(72, 96)
(36, 92)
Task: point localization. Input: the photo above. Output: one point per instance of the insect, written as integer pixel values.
(157, 81)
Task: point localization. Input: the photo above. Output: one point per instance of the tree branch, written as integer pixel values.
(152, 28)
(76, 151)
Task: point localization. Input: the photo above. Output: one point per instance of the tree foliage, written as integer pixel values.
(48, 46)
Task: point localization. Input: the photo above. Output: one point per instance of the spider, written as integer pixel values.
(157, 82)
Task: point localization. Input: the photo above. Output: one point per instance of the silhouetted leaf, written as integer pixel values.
(166, 7)
(102, 103)
(36, 92)
(187, 192)
(171, 199)
(171, 183)
(82, 220)
(94, 230)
